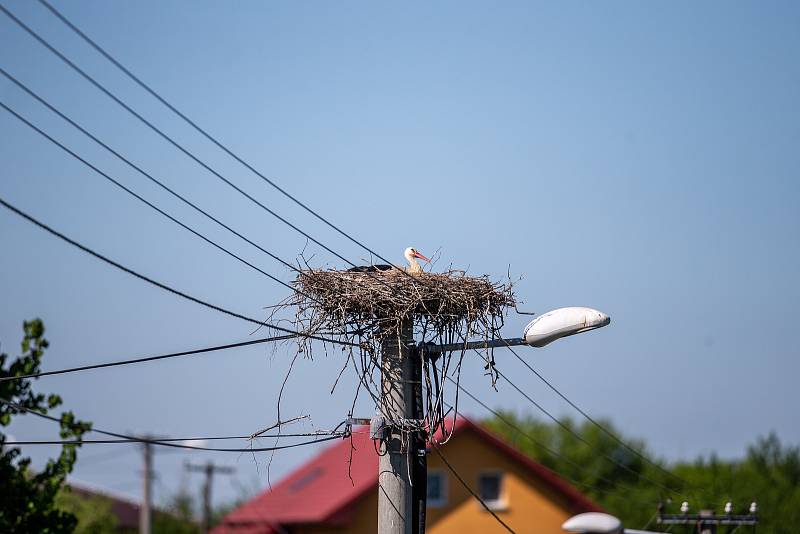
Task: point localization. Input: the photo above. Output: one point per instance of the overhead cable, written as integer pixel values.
(592, 420)
(161, 133)
(149, 358)
(583, 440)
(128, 441)
(533, 440)
(573, 432)
(166, 443)
(160, 285)
(452, 469)
(200, 130)
(139, 169)
(504, 420)
(140, 198)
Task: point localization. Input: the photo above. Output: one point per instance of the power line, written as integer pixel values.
(121, 441)
(466, 486)
(116, 99)
(166, 137)
(160, 285)
(149, 358)
(168, 443)
(140, 198)
(139, 169)
(592, 420)
(578, 436)
(549, 450)
(203, 132)
(583, 440)
(535, 441)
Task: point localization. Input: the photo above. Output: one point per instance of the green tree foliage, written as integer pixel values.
(769, 473)
(180, 513)
(27, 498)
(177, 516)
(93, 512)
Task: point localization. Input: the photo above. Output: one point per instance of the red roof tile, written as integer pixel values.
(318, 490)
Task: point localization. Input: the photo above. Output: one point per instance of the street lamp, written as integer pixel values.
(593, 523)
(598, 523)
(563, 322)
(542, 331)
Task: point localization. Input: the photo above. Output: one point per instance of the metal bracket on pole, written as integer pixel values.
(380, 425)
(357, 421)
(431, 348)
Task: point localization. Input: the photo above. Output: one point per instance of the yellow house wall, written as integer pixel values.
(531, 506)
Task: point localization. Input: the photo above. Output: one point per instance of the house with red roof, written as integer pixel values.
(337, 492)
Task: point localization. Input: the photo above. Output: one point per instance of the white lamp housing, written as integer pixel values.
(593, 522)
(563, 322)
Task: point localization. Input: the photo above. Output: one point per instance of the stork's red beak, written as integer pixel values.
(420, 256)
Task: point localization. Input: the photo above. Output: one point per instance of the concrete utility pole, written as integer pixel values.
(209, 469)
(420, 451)
(144, 510)
(398, 381)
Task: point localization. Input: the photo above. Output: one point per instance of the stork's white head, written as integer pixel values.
(411, 255)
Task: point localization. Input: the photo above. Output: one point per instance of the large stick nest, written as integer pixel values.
(378, 301)
(365, 309)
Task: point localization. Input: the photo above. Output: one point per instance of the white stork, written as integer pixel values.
(411, 255)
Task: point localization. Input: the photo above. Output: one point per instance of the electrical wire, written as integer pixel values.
(584, 441)
(516, 428)
(169, 440)
(170, 140)
(149, 358)
(591, 419)
(168, 443)
(200, 130)
(436, 448)
(140, 198)
(166, 137)
(578, 436)
(139, 169)
(116, 99)
(160, 285)
(536, 442)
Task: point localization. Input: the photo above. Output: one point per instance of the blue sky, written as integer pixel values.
(639, 158)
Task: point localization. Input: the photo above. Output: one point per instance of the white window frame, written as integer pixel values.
(441, 502)
(501, 503)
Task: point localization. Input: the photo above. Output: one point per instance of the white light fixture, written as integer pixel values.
(542, 331)
(598, 523)
(593, 522)
(563, 322)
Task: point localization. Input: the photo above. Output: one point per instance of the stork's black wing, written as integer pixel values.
(370, 268)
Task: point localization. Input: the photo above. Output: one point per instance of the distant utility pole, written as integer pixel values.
(144, 510)
(209, 469)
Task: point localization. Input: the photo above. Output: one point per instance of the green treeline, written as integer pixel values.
(629, 487)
